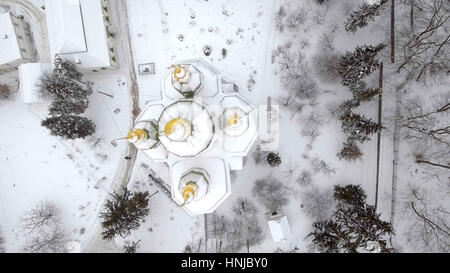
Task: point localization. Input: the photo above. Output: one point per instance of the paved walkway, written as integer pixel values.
(210, 233)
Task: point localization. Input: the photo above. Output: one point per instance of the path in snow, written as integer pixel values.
(210, 233)
(126, 61)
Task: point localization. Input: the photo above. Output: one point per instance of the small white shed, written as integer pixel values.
(279, 227)
(30, 75)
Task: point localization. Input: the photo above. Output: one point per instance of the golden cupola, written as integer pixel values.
(194, 185)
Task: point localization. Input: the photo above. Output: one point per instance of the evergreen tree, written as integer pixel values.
(124, 213)
(352, 225)
(350, 152)
(360, 63)
(361, 92)
(358, 127)
(69, 126)
(65, 83)
(61, 107)
(361, 17)
(63, 68)
(347, 106)
(273, 159)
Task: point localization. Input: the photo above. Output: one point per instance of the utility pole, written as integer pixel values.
(392, 31)
(380, 108)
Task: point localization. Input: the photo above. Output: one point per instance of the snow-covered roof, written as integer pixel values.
(9, 47)
(70, 38)
(279, 228)
(190, 132)
(239, 142)
(199, 131)
(219, 183)
(210, 80)
(30, 75)
(77, 32)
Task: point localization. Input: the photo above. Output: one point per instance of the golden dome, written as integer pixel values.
(177, 124)
(137, 134)
(233, 120)
(189, 191)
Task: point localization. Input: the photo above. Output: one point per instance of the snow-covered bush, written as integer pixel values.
(273, 159)
(259, 156)
(271, 193)
(350, 151)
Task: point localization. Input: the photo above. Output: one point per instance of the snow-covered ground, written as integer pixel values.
(36, 167)
(247, 32)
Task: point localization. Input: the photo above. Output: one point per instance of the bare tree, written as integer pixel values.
(43, 215)
(427, 128)
(316, 203)
(246, 230)
(312, 124)
(296, 18)
(290, 170)
(51, 240)
(426, 46)
(287, 56)
(272, 193)
(321, 166)
(429, 219)
(221, 228)
(43, 228)
(279, 18)
(326, 64)
(305, 178)
(260, 156)
(292, 105)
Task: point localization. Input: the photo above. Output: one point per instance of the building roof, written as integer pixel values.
(30, 74)
(197, 118)
(279, 228)
(240, 145)
(219, 187)
(9, 47)
(77, 32)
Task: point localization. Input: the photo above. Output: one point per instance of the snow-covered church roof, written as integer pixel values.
(77, 31)
(210, 128)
